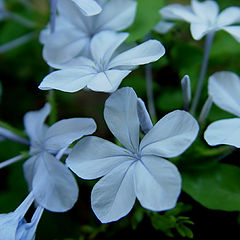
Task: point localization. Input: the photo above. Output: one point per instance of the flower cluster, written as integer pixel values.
(89, 51)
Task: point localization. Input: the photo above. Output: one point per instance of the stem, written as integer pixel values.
(17, 42)
(149, 88)
(12, 160)
(207, 48)
(19, 19)
(53, 10)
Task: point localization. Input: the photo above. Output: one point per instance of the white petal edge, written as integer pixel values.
(229, 16)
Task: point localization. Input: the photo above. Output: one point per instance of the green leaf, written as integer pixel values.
(147, 17)
(215, 188)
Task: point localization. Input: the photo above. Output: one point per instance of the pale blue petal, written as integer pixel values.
(54, 187)
(207, 10)
(88, 7)
(62, 133)
(61, 46)
(157, 183)
(149, 51)
(104, 44)
(224, 132)
(229, 16)
(93, 157)
(164, 27)
(120, 114)
(171, 135)
(117, 15)
(224, 87)
(29, 170)
(198, 30)
(107, 81)
(68, 80)
(113, 196)
(34, 123)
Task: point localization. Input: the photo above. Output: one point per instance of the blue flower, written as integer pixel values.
(139, 170)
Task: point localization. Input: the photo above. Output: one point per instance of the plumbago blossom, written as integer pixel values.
(88, 7)
(105, 71)
(138, 170)
(74, 31)
(51, 184)
(224, 87)
(204, 18)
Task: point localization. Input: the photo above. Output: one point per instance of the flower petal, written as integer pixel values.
(229, 16)
(207, 10)
(149, 51)
(224, 87)
(224, 132)
(54, 187)
(120, 114)
(63, 45)
(93, 157)
(29, 170)
(117, 15)
(198, 30)
(113, 196)
(164, 27)
(234, 31)
(157, 183)
(104, 44)
(34, 122)
(62, 133)
(88, 7)
(68, 80)
(171, 135)
(178, 12)
(107, 81)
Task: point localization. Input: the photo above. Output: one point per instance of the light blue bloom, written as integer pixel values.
(53, 186)
(139, 170)
(74, 31)
(105, 71)
(88, 7)
(204, 18)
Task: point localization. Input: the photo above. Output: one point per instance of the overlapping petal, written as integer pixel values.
(53, 186)
(34, 123)
(171, 135)
(88, 7)
(224, 132)
(120, 114)
(224, 87)
(103, 157)
(117, 15)
(157, 183)
(113, 196)
(64, 132)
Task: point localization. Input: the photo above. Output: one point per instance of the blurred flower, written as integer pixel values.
(224, 88)
(52, 184)
(204, 17)
(105, 72)
(74, 31)
(138, 170)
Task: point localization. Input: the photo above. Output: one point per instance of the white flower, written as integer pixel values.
(74, 31)
(204, 17)
(52, 184)
(138, 170)
(224, 87)
(105, 72)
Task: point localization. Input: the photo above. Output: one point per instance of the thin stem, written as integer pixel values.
(19, 19)
(17, 42)
(207, 48)
(12, 160)
(53, 10)
(149, 88)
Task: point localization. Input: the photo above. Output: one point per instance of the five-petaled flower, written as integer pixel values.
(138, 170)
(204, 17)
(224, 87)
(105, 71)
